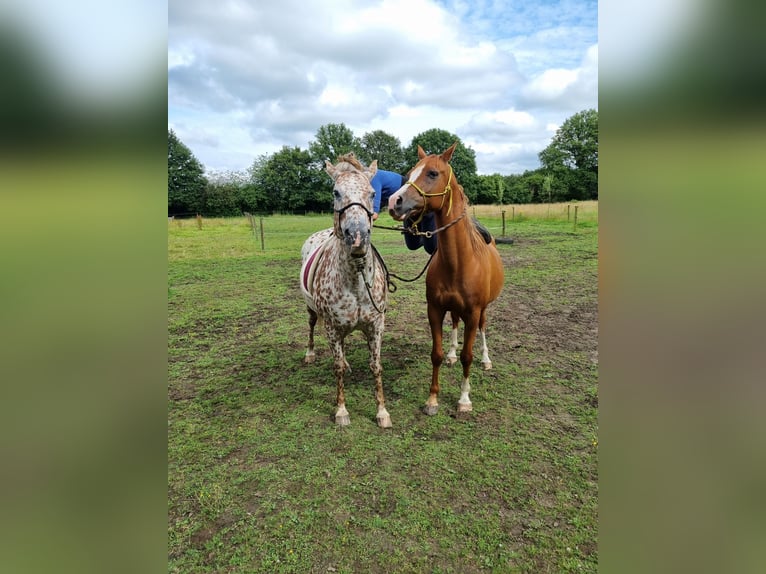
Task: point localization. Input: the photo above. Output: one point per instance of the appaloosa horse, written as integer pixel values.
(343, 280)
(466, 273)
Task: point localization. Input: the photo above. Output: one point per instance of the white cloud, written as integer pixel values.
(566, 88)
(262, 75)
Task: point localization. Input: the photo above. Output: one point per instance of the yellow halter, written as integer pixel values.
(447, 190)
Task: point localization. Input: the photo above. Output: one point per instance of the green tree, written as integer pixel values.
(291, 182)
(331, 141)
(463, 162)
(382, 146)
(186, 180)
(491, 189)
(252, 195)
(221, 199)
(572, 155)
(516, 190)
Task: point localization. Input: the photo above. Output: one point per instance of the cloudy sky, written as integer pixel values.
(248, 77)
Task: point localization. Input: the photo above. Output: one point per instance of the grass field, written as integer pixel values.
(261, 480)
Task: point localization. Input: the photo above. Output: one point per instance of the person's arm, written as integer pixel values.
(377, 185)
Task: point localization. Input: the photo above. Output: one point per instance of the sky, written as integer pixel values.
(246, 78)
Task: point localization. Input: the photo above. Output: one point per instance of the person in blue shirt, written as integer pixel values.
(386, 183)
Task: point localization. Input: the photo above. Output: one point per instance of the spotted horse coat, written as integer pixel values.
(343, 281)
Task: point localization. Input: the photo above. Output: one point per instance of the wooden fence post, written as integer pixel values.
(568, 206)
(199, 221)
(251, 220)
(574, 227)
(503, 223)
(513, 212)
(263, 247)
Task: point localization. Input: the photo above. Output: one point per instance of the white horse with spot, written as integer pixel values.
(343, 281)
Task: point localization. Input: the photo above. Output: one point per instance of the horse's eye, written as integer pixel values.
(336, 193)
(433, 174)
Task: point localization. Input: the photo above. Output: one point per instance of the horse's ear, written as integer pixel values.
(421, 153)
(330, 168)
(447, 155)
(372, 169)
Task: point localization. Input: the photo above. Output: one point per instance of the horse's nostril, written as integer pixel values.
(398, 201)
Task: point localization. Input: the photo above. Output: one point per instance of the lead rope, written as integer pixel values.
(360, 265)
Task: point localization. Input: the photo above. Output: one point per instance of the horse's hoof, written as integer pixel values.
(464, 407)
(384, 421)
(342, 420)
(487, 365)
(308, 359)
(431, 410)
(450, 361)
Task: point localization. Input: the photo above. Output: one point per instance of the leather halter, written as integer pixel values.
(342, 210)
(352, 204)
(447, 190)
(443, 194)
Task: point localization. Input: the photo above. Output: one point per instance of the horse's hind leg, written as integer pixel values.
(466, 358)
(310, 355)
(485, 362)
(451, 357)
(374, 342)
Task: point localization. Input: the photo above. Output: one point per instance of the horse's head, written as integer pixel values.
(352, 202)
(428, 187)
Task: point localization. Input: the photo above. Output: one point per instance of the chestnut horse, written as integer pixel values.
(343, 280)
(466, 273)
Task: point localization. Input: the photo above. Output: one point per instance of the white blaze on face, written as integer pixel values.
(413, 177)
(416, 173)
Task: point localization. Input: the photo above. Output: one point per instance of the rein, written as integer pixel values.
(391, 285)
(415, 231)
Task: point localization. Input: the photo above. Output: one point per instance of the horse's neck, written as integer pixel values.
(349, 266)
(455, 240)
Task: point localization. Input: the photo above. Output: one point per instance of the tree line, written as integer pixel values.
(293, 180)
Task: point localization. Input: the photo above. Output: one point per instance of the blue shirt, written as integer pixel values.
(385, 183)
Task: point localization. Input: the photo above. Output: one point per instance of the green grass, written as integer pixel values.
(261, 480)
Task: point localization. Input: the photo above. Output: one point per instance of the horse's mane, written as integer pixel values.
(349, 158)
(477, 241)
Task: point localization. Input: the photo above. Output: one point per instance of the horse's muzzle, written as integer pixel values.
(357, 239)
(401, 205)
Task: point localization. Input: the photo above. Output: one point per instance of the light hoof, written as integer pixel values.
(487, 365)
(342, 420)
(384, 421)
(431, 410)
(450, 361)
(308, 359)
(464, 407)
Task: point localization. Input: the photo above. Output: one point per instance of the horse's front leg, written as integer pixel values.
(435, 319)
(466, 358)
(374, 341)
(340, 365)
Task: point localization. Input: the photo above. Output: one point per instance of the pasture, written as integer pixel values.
(260, 479)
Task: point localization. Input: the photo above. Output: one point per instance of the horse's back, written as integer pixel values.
(314, 241)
